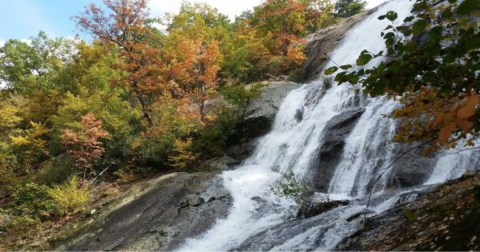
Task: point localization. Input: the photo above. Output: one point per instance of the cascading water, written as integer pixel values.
(259, 220)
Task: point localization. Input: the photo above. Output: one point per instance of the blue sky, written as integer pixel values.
(21, 19)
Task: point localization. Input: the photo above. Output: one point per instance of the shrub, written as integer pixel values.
(32, 200)
(23, 225)
(70, 197)
(295, 188)
(213, 138)
(55, 171)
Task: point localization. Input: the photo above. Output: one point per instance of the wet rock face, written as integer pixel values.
(411, 169)
(178, 207)
(444, 218)
(261, 113)
(322, 43)
(330, 152)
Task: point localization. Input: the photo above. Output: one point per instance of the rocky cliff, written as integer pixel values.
(446, 218)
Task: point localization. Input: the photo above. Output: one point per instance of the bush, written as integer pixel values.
(295, 188)
(213, 139)
(23, 225)
(32, 200)
(55, 171)
(70, 197)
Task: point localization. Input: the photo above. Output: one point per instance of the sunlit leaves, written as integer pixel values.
(84, 145)
(331, 70)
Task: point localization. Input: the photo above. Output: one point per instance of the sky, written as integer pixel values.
(22, 19)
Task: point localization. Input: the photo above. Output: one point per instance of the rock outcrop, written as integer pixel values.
(323, 42)
(331, 150)
(444, 219)
(412, 168)
(261, 112)
(172, 208)
(260, 116)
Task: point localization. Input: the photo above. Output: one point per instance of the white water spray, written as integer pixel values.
(291, 146)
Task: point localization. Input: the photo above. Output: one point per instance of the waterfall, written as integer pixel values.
(260, 220)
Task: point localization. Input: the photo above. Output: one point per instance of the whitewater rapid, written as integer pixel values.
(291, 146)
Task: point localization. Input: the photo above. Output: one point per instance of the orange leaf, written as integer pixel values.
(469, 107)
(465, 125)
(439, 120)
(445, 133)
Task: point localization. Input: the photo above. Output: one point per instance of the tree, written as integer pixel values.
(347, 8)
(33, 65)
(284, 19)
(126, 27)
(84, 145)
(194, 70)
(433, 62)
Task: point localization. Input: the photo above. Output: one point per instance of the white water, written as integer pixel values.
(291, 146)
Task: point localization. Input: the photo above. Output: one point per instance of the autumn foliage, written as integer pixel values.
(137, 97)
(84, 145)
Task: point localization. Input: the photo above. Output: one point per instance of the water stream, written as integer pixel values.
(259, 220)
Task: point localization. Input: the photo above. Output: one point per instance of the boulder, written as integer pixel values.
(221, 163)
(261, 112)
(331, 149)
(411, 169)
(316, 208)
(173, 208)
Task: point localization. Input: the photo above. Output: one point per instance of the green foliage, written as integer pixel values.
(241, 97)
(54, 171)
(23, 225)
(433, 63)
(290, 186)
(32, 200)
(347, 8)
(212, 140)
(27, 67)
(410, 215)
(70, 197)
(183, 156)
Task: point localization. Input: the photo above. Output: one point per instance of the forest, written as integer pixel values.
(136, 101)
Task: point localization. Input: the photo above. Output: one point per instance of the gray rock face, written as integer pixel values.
(330, 152)
(221, 163)
(412, 168)
(262, 111)
(323, 42)
(177, 207)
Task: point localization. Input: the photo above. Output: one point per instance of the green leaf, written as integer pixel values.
(468, 6)
(364, 58)
(346, 67)
(435, 34)
(419, 26)
(391, 15)
(408, 19)
(331, 70)
(382, 17)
